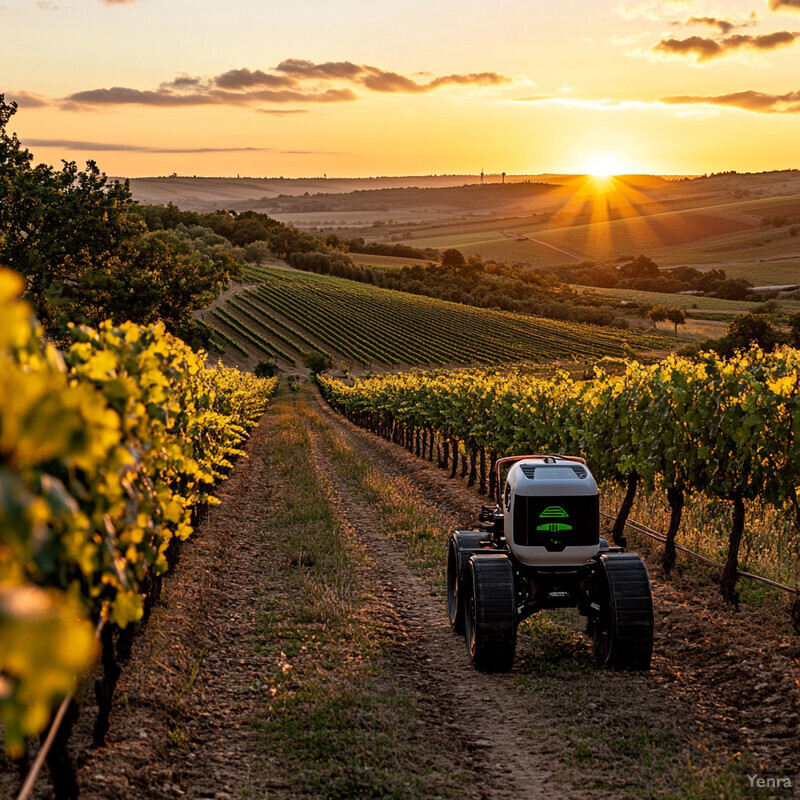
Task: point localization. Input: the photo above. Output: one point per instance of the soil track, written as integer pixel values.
(481, 712)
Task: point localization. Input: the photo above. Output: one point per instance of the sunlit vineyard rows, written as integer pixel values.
(292, 312)
(109, 450)
(718, 433)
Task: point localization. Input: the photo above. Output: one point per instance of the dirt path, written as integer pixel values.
(525, 727)
(480, 711)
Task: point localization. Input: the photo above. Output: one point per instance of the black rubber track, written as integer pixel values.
(623, 632)
(490, 622)
(461, 546)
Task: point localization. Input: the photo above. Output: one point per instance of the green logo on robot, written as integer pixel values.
(554, 513)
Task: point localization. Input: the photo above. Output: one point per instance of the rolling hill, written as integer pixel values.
(283, 314)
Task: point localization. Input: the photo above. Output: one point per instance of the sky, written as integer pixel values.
(354, 88)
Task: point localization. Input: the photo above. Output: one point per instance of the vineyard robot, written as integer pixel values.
(541, 548)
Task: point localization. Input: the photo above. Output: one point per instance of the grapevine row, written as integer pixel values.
(258, 321)
(724, 430)
(373, 325)
(256, 339)
(108, 454)
(270, 322)
(228, 341)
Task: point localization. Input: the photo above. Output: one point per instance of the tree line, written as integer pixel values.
(643, 274)
(86, 253)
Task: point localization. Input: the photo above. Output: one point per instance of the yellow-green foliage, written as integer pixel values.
(712, 428)
(712, 425)
(105, 450)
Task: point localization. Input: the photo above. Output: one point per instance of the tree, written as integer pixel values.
(657, 314)
(640, 267)
(747, 329)
(266, 369)
(453, 259)
(57, 225)
(257, 251)
(794, 329)
(85, 252)
(676, 316)
(317, 361)
(733, 289)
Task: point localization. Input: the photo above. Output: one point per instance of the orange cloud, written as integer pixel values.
(27, 99)
(780, 5)
(292, 81)
(379, 80)
(111, 147)
(725, 26)
(300, 68)
(702, 49)
(758, 102)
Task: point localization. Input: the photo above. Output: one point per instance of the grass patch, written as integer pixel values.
(547, 644)
(404, 518)
(342, 723)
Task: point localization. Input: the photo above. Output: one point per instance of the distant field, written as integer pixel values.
(607, 241)
(597, 241)
(501, 248)
(438, 230)
(787, 205)
(681, 300)
(290, 313)
(699, 329)
(387, 262)
(529, 252)
(205, 194)
(763, 255)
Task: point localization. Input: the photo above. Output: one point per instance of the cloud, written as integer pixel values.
(534, 98)
(300, 68)
(724, 25)
(120, 95)
(182, 82)
(472, 79)
(292, 81)
(46, 5)
(750, 100)
(282, 112)
(166, 97)
(244, 79)
(781, 5)
(379, 80)
(27, 99)
(110, 147)
(290, 96)
(701, 49)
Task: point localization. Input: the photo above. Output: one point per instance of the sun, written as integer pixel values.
(603, 165)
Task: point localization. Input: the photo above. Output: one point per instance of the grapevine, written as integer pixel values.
(371, 325)
(107, 453)
(722, 429)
